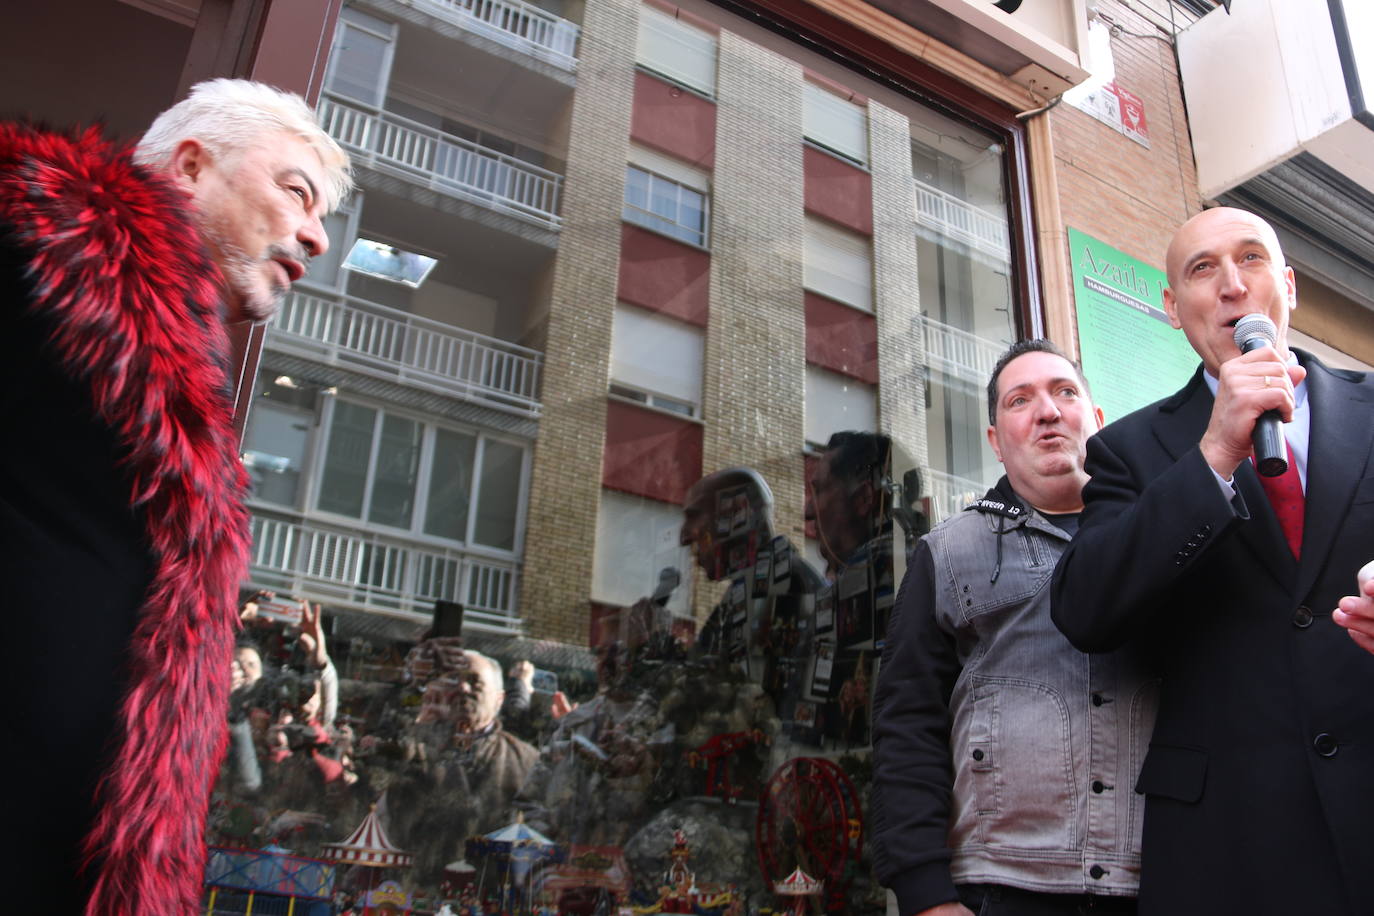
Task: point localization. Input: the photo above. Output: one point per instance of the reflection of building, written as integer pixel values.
(599, 327)
(668, 239)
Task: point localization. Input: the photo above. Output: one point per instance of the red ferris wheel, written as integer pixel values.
(809, 818)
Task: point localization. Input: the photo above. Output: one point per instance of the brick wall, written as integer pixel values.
(1111, 187)
(755, 343)
(565, 484)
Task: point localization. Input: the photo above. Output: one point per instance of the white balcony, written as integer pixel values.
(383, 575)
(960, 354)
(511, 23)
(949, 217)
(950, 494)
(444, 163)
(389, 344)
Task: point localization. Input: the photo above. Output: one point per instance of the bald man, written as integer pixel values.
(1259, 778)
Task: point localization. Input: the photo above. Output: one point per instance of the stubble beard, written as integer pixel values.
(252, 291)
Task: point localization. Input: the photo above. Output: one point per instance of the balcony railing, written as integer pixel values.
(380, 574)
(958, 353)
(950, 494)
(444, 163)
(514, 24)
(953, 218)
(393, 345)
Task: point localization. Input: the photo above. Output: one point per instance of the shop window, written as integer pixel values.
(836, 124)
(656, 361)
(838, 264)
(672, 48)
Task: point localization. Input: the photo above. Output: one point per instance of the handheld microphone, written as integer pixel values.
(1271, 456)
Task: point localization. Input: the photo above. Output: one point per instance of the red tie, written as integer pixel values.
(1285, 496)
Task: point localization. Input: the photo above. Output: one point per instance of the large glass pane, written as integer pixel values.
(274, 451)
(963, 258)
(343, 485)
(498, 496)
(398, 467)
(450, 485)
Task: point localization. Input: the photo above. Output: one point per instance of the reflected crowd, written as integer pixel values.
(666, 768)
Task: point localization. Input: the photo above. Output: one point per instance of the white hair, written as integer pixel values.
(229, 116)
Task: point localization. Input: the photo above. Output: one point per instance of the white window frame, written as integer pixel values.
(838, 264)
(665, 173)
(835, 124)
(668, 391)
(683, 53)
(416, 532)
(350, 17)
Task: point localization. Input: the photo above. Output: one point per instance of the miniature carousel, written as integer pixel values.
(370, 854)
(799, 886)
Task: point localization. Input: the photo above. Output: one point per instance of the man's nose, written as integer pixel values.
(1045, 407)
(1231, 284)
(313, 236)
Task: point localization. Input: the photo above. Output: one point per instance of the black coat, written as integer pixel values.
(1260, 774)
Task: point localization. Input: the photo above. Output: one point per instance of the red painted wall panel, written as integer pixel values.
(649, 453)
(841, 339)
(663, 275)
(838, 191)
(672, 120)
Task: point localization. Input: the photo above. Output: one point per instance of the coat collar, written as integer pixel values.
(130, 304)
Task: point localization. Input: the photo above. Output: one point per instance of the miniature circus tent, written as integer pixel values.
(797, 884)
(368, 845)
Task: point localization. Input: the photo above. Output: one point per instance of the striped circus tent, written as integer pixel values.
(797, 884)
(368, 845)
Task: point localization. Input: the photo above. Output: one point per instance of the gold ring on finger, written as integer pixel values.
(1268, 381)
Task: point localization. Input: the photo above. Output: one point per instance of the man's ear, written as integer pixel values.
(992, 441)
(1171, 308)
(189, 162)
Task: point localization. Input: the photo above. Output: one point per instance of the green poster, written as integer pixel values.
(1131, 354)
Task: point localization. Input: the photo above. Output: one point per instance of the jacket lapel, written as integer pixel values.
(1340, 444)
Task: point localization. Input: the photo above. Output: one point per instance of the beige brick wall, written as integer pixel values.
(755, 353)
(566, 478)
(896, 294)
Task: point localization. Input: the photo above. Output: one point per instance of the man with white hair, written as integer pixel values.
(122, 513)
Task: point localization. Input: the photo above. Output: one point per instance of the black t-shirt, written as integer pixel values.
(1067, 523)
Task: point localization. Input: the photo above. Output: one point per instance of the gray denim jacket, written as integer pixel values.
(1045, 742)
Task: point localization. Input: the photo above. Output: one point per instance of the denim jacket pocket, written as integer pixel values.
(1173, 772)
(1020, 765)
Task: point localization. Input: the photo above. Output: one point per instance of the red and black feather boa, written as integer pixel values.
(122, 278)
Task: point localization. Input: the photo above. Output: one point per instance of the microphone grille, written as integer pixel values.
(1255, 325)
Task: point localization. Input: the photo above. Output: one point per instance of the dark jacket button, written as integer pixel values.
(978, 754)
(1097, 871)
(1302, 618)
(1098, 786)
(1325, 745)
(1097, 699)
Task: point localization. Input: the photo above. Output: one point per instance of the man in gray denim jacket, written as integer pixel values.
(1004, 758)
